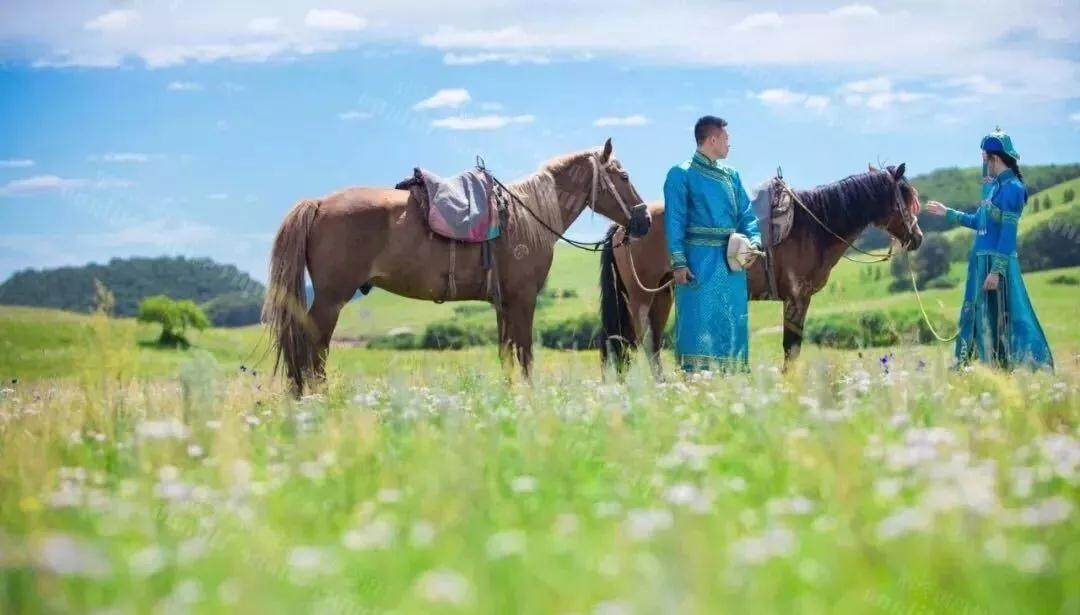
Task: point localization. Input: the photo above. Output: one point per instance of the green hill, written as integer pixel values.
(231, 296)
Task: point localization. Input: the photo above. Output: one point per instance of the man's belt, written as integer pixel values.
(713, 236)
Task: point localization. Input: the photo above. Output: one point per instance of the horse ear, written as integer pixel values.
(899, 173)
(608, 148)
(870, 167)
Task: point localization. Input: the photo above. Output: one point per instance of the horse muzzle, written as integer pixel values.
(640, 220)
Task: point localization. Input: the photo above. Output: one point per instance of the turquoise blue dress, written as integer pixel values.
(704, 203)
(999, 327)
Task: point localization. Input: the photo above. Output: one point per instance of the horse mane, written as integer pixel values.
(538, 192)
(850, 204)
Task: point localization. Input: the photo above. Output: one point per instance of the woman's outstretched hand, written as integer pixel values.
(934, 207)
(991, 281)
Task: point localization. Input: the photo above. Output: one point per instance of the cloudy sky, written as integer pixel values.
(180, 127)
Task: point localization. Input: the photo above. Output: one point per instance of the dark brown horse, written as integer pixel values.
(633, 303)
(363, 237)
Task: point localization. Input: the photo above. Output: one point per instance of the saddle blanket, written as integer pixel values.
(774, 211)
(461, 207)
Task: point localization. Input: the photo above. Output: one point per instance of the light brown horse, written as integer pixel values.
(363, 237)
(631, 273)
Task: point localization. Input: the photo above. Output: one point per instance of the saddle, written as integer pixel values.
(775, 211)
(460, 207)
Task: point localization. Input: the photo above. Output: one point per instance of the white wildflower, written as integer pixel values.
(523, 484)
(773, 542)
(147, 562)
(422, 534)
(612, 607)
(903, 521)
(505, 543)
(565, 524)
(167, 429)
(69, 556)
(1032, 558)
(379, 534)
(642, 524)
(443, 587)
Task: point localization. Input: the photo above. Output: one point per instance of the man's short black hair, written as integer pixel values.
(707, 124)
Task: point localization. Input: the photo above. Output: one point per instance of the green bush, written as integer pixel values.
(577, 333)
(1065, 280)
(1052, 243)
(454, 335)
(234, 309)
(406, 340)
(174, 317)
(929, 262)
(875, 328)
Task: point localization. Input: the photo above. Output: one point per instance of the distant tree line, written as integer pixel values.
(229, 296)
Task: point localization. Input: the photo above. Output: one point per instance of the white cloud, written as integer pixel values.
(334, 21)
(758, 21)
(868, 86)
(40, 183)
(627, 120)
(466, 59)
(184, 86)
(453, 97)
(481, 122)
(121, 157)
(451, 37)
(1075, 117)
(783, 97)
(816, 102)
(217, 196)
(352, 115)
(977, 84)
(16, 163)
(906, 39)
(264, 25)
(113, 21)
(855, 10)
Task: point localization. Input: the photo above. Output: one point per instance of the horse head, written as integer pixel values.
(900, 218)
(613, 194)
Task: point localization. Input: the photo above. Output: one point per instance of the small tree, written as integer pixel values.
(1069, 195)
(174, 317)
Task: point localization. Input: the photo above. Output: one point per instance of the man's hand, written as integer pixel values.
(683, 276)
(935, 208)
(991, 282)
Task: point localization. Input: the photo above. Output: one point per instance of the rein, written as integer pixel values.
(879, 257)
(588, 246)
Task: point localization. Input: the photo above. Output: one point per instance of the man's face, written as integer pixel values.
(718, 143)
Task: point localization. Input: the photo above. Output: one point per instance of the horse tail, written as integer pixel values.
(285, 309)
(617, 337)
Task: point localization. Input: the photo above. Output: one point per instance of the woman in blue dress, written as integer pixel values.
(997, 321)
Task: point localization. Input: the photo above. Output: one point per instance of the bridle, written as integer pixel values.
(599, 174)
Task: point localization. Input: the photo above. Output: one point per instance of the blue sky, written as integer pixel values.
(149, 128)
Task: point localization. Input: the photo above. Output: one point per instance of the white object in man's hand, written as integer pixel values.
(934, 207)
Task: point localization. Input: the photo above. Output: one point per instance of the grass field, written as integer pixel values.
(844, 485)
(135, 479)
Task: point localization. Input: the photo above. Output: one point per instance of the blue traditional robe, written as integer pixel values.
(703, 204)
(999, 326)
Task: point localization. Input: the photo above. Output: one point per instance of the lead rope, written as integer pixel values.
(633, 270)
(922, 308)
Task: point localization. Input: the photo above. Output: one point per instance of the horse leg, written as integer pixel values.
(794, 318)
(324, 313)
(658, 318)
(519, 333)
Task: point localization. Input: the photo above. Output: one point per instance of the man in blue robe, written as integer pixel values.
(704, 203)
(997, 322)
